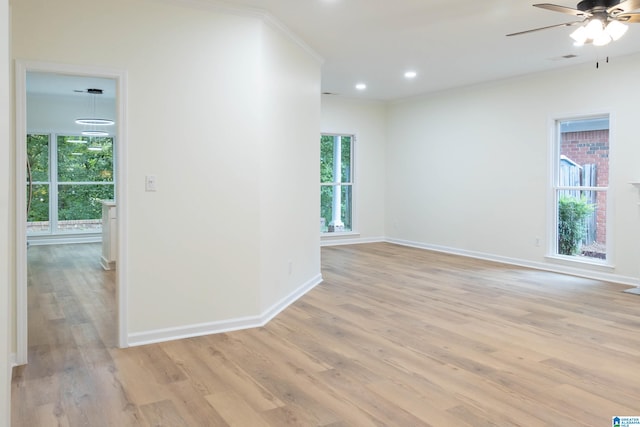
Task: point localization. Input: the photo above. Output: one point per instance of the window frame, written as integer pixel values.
(350, 184)
(554, 190)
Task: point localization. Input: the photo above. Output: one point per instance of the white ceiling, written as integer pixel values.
(66, 85)
(448, 43)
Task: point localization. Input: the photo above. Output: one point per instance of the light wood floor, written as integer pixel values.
(393, 337)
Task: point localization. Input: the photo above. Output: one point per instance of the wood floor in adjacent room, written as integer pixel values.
(394, 336)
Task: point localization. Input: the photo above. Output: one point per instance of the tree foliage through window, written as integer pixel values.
(84, 176)
(332, 181)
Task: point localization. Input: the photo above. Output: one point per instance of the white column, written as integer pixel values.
(336, 223)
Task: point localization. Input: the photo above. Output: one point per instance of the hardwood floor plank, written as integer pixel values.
(231, 377)
(115, 403)
(288, 417)
(162, 414)
(49, 307)
(425, 411)
(382, 410)
(158, 362)
(137, 380)
(195, 407)
(50, 415)
(235, 410)
(281, 382)
(394, 336)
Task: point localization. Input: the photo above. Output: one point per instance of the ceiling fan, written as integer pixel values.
(602, 20)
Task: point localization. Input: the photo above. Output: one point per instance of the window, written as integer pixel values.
(581, 180)
(38, 183)
(68, 177)
(336, 183)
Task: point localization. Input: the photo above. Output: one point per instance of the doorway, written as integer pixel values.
(63, 90)
(70, 162)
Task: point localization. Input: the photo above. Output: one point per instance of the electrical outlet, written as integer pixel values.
(537, 241)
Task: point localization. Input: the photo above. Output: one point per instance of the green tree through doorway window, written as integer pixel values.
(70, 176)
(336, 183)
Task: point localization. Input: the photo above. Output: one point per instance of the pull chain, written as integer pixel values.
(598, 63)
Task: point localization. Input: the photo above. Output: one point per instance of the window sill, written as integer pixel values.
(591, 264)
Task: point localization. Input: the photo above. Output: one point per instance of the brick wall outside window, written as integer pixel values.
(591, 147)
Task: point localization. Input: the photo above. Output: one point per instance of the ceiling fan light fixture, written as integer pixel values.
(594, 29)
(616, 29)
(603, 21)
(579, 36)
(602, 39)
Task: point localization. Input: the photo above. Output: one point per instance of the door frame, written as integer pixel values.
(21, 69)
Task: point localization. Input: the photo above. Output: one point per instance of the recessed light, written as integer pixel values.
(361, 86)
(410, 74)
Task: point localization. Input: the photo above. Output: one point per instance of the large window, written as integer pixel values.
(336, 183)
(581, 181)
(68, 177)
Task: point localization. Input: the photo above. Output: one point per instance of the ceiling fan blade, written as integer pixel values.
(562, 9)
(566, 24)
(625, 6)
(629, 18)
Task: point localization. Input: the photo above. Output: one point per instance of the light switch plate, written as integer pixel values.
(150, 183)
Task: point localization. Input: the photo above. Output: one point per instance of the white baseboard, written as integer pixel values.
(189, 331)
(285, 302)
(555, 268)
(346, 240)
(13, 360)
(64, 240)
(107, 264)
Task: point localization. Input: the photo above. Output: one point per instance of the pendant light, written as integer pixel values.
(93, 122)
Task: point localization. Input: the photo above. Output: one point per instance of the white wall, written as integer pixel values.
(5, 259)
(367, 121)
(289, 168)
(468, 168)
(195, 78)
